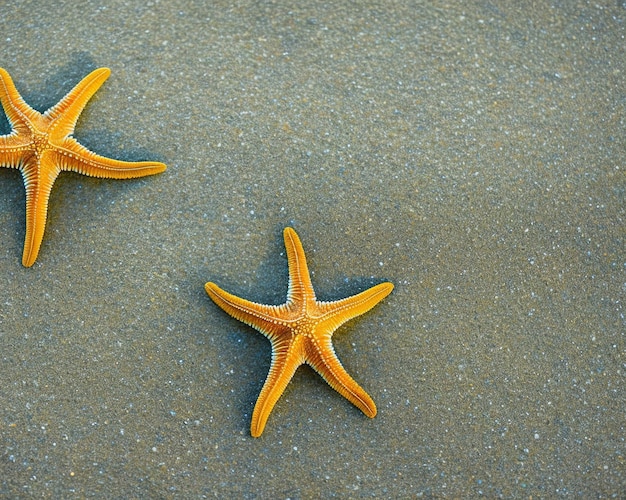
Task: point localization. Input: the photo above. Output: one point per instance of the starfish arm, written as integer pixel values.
(65, 113)
(75, 157)
(38, 188)
(286, 358)
(263, 318)
(300, 287)
(321, 356)
(18, 112)
(12, 150)
(334, 314)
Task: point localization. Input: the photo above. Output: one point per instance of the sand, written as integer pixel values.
(471, 153)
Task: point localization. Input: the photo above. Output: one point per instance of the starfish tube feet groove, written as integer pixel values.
(41, 146)
(300, 331)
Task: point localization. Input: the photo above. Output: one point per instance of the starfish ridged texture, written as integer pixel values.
(300, 332)
(41, 146)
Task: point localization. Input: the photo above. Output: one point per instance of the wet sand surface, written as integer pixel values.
(472, 154)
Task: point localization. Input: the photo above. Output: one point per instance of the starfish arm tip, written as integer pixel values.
(28, 260)
(104, 72)
(372, 412)
(380, 291)
(152, 168)
(259, 419)
(364, 403)
(32, 246)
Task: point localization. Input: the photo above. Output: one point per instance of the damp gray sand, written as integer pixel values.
(472, 155)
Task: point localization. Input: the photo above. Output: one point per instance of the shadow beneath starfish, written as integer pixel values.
(12, 209)
(5, 128)
(44, 93)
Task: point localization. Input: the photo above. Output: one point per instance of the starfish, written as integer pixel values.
(300, 332)
(41, 146)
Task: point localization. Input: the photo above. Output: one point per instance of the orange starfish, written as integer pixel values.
(300, 332)
(41, 146)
